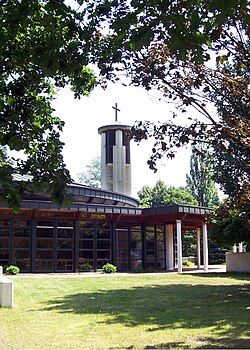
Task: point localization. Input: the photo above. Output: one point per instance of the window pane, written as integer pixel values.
(103, 225)
(21, 232)
(101, 262)
(44, 254)
(150, 265)
(103, 244)
(86, 254)
(150, 228)
(136, 240)
(160, 228)
(121, 226)
(64, 233)
(135, 264)
(150, 236)
(24, 265)
(86, 224)
(121, 235)
(160, 236)
(109, 154)
(64, 265)
(122, 265)
(85, 244)
(135, 228)
(150, 245)
(86, 234)
(160, 245)
(65, 224)
(103, 234)
(22, 223)
(160, 254)
(136, 254)
(121, 245)
(4, 254)
(122, 254)
(110, 138)
(44, 243)
(45, 223)
(85, 261)
(150, 253)
(21, 243)
(4, 231)
(103, 254)
(5, 223)
(4, 243)
(21, 254)
(64, 254)
(44, 232)
(44, 265)
(161, 265)
(64, 244)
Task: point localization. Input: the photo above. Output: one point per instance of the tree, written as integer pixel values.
(200, 181)
(230, 226)
(43, 47)
(197, 54)
(3, 154)
(161, 194)
(92, 175)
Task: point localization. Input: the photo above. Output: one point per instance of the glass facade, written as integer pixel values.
(155, 252)
(139, 246)
(44, 246)
(61, 245)
(21, 244)
(4, 242)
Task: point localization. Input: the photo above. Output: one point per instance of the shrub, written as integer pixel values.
(149, 269)
(12, 270)
(138, 267)
(109, 268)
(188, 263)
(85, 267)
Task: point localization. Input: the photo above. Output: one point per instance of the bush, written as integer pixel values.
(149, 269)
(216, 255)
(188, 263)
(12, 270)
(85, 267)
(138, 267)
(109, 268)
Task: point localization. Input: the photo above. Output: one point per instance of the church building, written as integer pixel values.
(100, 225)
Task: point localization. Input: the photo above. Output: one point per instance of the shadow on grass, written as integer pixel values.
(233, 275)
(211, 343)
(222, 307)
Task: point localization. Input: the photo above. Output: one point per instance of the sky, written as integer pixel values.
(82, 142)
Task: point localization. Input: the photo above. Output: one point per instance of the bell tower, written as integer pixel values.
(115, 157)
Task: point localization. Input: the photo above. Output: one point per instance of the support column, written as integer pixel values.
(205, 246)
(198, 244)
(241, 247)
(169, 247)
(179, 246)
(104, 183)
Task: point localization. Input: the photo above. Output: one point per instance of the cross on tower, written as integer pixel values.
(116, 110)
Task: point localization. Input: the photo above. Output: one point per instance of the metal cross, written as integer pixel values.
(116, 110)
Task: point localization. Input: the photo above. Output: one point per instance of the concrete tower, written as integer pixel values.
(115, 157)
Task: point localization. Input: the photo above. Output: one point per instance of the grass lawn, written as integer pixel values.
(127, 312)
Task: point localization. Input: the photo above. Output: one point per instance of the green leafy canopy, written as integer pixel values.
(161, 194)
(43, 46)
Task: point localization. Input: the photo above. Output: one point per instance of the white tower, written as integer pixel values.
(115, 157)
